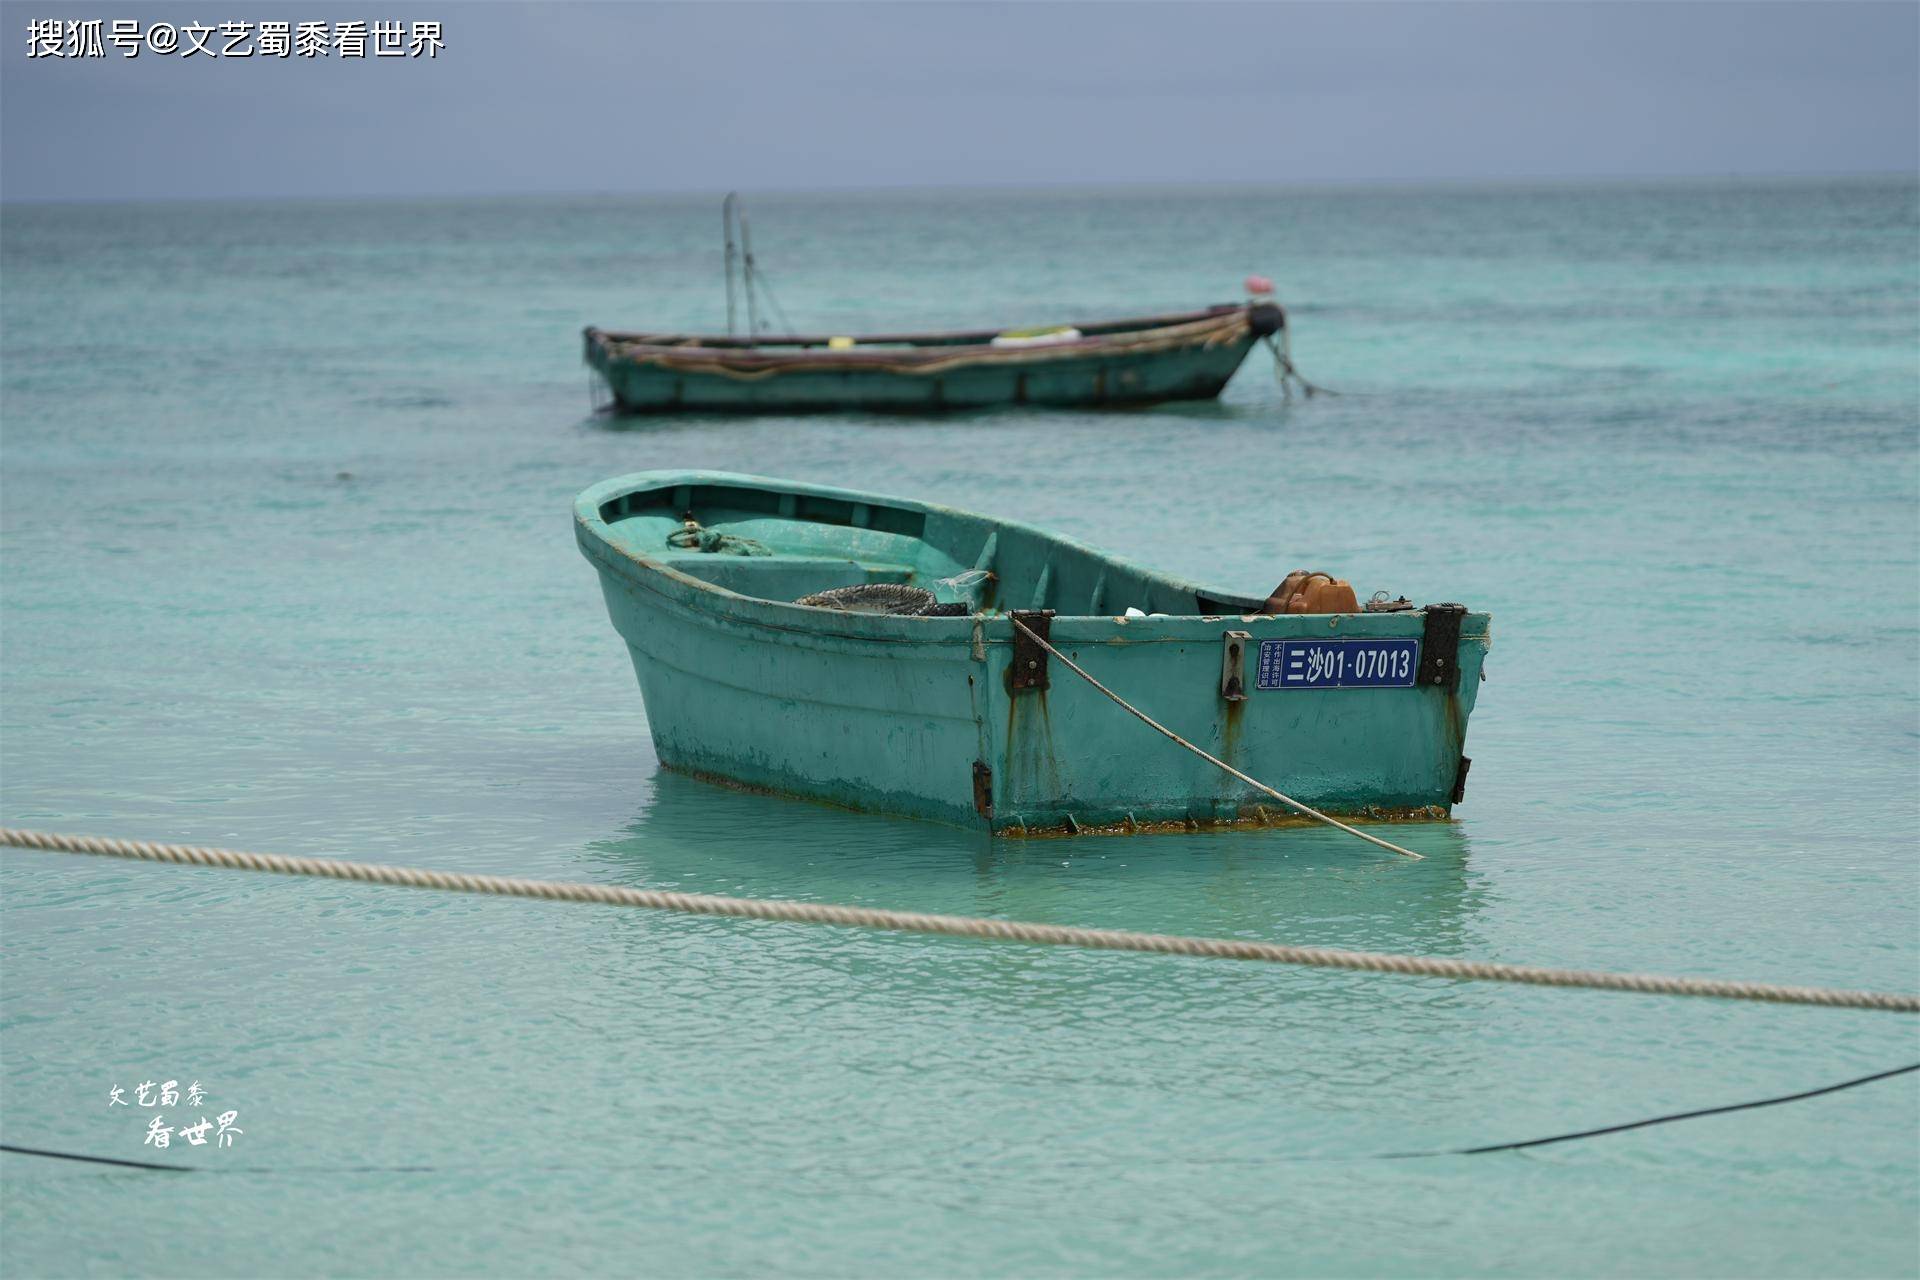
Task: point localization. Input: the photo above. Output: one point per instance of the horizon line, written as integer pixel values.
(1305, 184)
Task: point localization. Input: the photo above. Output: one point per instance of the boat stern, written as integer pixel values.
(1361, 715)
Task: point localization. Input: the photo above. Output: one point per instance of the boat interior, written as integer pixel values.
(955, 338)
(782, 545)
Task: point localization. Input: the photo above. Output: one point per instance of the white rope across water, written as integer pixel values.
(956, 926)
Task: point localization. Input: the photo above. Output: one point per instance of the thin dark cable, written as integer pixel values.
(68, 1155)
(1667, 1119)
(188, 1168)
(1394, 1155)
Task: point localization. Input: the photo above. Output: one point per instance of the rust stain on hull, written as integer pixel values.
(1029, 749)
(1230, 731)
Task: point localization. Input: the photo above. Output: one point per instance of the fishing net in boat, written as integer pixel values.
(884, 597)
(691, 537)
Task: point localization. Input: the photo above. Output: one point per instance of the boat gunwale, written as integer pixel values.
(595, 538)
(1095, 335)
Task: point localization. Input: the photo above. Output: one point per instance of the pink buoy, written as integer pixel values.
(1259, 285)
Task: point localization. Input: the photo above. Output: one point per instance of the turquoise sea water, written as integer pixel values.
(287, 565)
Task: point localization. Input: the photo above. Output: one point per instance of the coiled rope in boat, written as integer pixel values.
(956, 926)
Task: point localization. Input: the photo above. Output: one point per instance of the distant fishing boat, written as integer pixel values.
(863, 651)
(1186, 355)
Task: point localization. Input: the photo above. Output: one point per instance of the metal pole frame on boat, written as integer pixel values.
(746, 258)
(726, 232)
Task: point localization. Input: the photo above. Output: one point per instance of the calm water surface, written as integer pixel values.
(287, 565)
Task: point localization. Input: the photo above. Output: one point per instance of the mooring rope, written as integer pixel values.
(1285, 372)
(956, 926)
(1255, 783)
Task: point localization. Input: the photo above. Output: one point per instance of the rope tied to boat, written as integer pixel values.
(822, 913)
(1284, 371)
(1298, 807)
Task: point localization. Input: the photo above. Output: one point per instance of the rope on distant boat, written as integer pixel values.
(1208, 331)
(1255, 783)
(957, 926)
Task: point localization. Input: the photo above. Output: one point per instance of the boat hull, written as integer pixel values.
(921, 717)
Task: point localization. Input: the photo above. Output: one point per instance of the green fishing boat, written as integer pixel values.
(1187, 355)
(907, 658)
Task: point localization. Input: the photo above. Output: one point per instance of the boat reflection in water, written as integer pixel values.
(1296, 884)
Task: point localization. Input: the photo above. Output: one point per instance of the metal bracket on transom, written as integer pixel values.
(1440, 647)
(1233, 665)
(1030, 659)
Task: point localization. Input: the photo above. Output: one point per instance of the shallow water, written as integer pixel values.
(288, 565)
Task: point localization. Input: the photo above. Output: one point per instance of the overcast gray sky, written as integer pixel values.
(567, 97)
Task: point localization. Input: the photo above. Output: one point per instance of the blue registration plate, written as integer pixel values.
(1338, 664)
